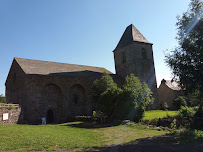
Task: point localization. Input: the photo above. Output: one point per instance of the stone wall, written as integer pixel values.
(13, 115)
(65, 96)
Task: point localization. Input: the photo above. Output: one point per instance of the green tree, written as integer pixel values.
(105, 93)
(138, 95)
(126, 103)
(179, 101)
(132, 89)
(187, 59)
(2, 99)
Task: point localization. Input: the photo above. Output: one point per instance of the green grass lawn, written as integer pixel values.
(152, 114)
(70, 136)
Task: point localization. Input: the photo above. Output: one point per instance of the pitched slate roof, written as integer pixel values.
(131, 34)
(54, 68)
(171, 84)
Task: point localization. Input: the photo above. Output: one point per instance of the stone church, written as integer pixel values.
(59, 90)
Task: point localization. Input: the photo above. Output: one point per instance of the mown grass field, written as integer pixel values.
(70, 136)
(153, 114)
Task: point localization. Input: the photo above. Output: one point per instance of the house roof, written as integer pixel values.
(54, 68)
(131, 34)
(171, 84)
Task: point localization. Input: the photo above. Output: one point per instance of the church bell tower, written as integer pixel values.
(134, 54)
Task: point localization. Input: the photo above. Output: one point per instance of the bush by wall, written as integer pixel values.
(128, 102)
(2, 99)
(178, 102)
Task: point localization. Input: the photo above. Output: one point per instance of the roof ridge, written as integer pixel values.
(40, 67)
(57, 62)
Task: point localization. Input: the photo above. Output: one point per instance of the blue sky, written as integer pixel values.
(84, 31)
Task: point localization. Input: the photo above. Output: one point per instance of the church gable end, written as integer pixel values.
(15, 83)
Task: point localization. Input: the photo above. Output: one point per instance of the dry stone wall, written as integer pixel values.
(10, 116)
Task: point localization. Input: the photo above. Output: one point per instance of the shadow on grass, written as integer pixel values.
(89, 125)
(166, 143)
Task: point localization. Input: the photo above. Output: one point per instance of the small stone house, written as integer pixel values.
(167, 92)
(59, 90)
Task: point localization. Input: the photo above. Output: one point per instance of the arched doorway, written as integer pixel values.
(51, 97)
(50, 116)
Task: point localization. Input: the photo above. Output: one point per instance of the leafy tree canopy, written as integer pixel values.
(126, 103)
(135, 97)
(105, 93)
(138, 92)
(2, 99)
(186, 60)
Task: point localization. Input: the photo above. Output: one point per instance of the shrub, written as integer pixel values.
(198, 119)
(139, 113)
(96, 113)
(173, 124)
(191, 117)
(191, 135)
(105, 93)
(186, 111)
(165, 106)
(127, 103)
(2, 99)
(135, 97)
(178, 102)
(124, 110)
(154, 121)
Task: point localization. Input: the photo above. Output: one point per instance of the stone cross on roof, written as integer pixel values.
(131, 34)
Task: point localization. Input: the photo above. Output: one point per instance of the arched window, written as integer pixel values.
(77, 100)
(77, 94)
